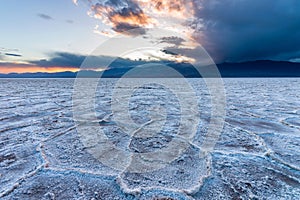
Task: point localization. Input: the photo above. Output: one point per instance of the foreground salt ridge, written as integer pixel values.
(40, 147)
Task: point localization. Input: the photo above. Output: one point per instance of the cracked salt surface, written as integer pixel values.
(257, 156)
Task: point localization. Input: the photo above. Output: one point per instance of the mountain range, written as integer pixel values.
(259, 68)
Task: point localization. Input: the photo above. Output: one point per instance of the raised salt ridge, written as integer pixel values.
(257, 156)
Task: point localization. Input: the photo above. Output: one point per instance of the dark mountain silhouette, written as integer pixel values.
(260, 68)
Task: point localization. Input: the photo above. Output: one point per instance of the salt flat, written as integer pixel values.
(44, 156)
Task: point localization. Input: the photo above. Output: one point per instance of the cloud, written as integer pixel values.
(124, 15)
(44, 16)
(174, 40)
(229, 30)
(67, 60)
(105, 32)
(13, 54)
(243, 30)
(7, 64)
(169, 52)
(179, 9)
(121, 15)
(5, 52)
(75, 2)
(3, 49)
(69, 21)
(60, 59)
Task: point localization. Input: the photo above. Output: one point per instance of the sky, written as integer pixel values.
(56, 35)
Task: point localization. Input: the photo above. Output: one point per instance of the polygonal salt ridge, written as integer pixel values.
(100, 146)
(66, 184)
(162, 161)
(185, 174)
(66, 152)
(17, 162)
(292, 122)
(237, 140)
(153, 102)
(158, 194)
(250, 177)
(259, 125)
(285, 148)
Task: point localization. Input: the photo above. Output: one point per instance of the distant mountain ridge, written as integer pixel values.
(259, 68)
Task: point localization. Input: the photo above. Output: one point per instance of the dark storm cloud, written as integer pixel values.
(230, 30)
(44, 16)
(248, 30)
(62, 59)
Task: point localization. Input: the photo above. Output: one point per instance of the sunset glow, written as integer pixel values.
(56, 36)
(34, 69)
